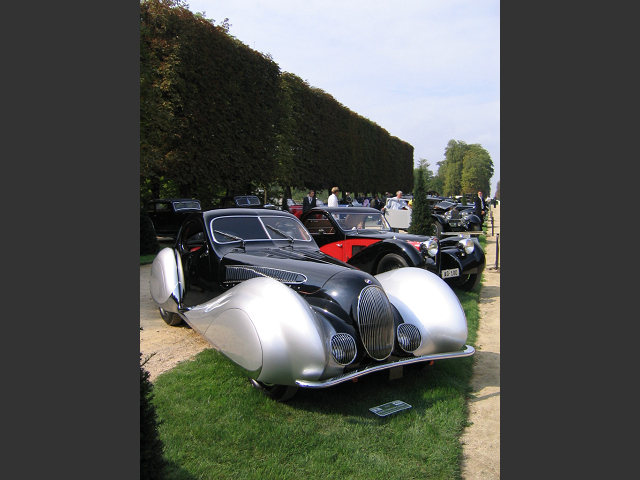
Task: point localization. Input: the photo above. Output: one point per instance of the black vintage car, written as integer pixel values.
(362, 237)
(167, 214)
(255, 284)
(454, 217)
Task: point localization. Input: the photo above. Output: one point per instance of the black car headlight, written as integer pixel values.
(430, 247)
(467, 245)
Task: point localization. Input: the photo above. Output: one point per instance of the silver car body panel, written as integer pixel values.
(167, 280)
(426, 301)
(266, 328)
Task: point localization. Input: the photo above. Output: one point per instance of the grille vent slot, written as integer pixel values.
(235, 274)
(375, 322)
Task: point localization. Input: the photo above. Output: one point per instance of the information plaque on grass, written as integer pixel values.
(389, 408)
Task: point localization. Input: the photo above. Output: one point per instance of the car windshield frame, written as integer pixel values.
(253, 228)
(348, 221)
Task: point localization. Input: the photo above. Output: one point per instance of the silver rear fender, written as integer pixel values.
(167, 280)
(266, 328)
(426, 301)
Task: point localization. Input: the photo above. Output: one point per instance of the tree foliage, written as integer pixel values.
(465, 169)
(421, 218)
(218, 117)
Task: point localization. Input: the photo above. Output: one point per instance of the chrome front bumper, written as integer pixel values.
(468, 351)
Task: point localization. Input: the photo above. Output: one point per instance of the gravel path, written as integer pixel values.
(481, 440)
(166, 346)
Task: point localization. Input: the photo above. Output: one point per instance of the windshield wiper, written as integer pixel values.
(233, 237)
(289, 237)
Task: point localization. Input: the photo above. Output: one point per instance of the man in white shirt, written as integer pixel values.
(333, 198)
(396, 203)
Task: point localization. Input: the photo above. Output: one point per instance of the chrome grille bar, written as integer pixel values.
(375, 322)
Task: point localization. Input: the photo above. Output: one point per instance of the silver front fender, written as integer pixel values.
(167, 280)
(426, 301)
(266, 328)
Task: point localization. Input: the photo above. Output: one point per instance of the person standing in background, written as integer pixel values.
(480, 207)
(333, 198)
(309, 201)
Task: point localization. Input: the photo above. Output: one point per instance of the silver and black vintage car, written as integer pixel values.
(254, 283)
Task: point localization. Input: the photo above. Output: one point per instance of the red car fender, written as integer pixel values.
(343, 250)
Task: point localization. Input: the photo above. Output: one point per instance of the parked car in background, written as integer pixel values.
(254, 283)
(167, 214)
(362, 237)
(294, 208)
(454, 217)
(244, 201)
(448, 217)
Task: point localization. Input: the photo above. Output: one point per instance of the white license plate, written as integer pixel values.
(450, 273)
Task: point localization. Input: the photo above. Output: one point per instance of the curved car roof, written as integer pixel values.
(253, 212)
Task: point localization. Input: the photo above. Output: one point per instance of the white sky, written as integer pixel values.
(427, 71)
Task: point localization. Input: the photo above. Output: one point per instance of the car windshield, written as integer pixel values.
(361, 221)
(230, 229)
(186, 205)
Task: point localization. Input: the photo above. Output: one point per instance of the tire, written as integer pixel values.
(436, 229)
(170, 318)
(465, 282)
(476, 228)
(391, 261)
(280, 393)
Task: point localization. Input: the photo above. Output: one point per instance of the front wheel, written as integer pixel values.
(391, 261)
(280, 393)
(436, 229)
(465, 282)
(171, 318)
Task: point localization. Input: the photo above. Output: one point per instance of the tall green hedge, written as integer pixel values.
(217, 116)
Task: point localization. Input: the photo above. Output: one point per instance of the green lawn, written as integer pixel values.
(214, 425)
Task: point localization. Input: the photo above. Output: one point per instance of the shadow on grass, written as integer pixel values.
(420, 386)
(174, 472)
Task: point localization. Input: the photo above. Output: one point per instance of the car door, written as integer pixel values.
(198, 264)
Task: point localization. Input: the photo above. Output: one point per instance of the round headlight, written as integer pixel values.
(430, 246)
(467, 245)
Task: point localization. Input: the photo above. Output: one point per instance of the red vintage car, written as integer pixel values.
(361, 236)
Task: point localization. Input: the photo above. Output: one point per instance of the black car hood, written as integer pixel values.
(378, 235)
(315, 267)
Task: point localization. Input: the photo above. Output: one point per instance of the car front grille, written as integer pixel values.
(375, 322)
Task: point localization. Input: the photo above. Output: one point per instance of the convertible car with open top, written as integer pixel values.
(255, 284)
(362, 237)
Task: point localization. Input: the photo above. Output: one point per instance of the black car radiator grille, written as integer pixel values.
(235, 274)
(375, 322)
